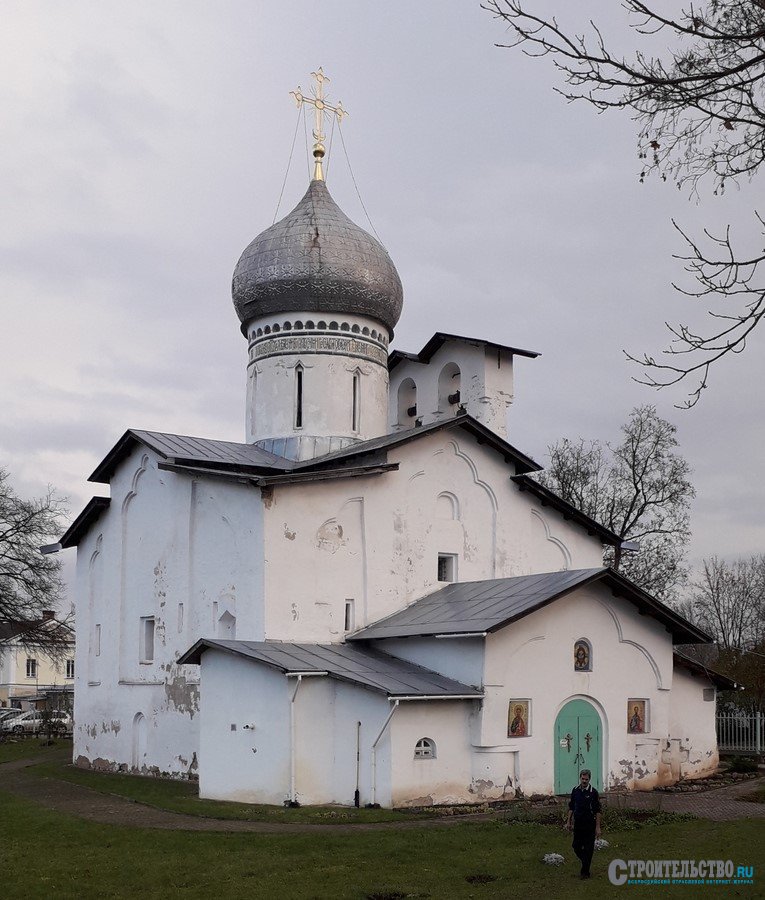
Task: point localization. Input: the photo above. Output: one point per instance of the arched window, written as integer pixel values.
(356, 402)
(298, 396)
(407, 401)
(582, 656)
(425, 748)
(449, 388)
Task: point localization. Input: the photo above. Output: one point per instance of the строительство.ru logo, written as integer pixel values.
(679, 871)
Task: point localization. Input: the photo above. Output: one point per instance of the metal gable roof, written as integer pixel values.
(190, 449)
(476, 607)
(463, 421)
(365, 667)
(440, 338)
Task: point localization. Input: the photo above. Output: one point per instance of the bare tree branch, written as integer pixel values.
(639, 489)
(30, 583)
(701, 109)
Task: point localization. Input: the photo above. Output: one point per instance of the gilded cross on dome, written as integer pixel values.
(321, 109)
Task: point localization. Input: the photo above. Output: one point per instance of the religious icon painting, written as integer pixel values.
(518, 723)
(637, 722)
(582, 656)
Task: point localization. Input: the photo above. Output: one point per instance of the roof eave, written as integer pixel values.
(82, 524)
(550, 498)
(105, 469)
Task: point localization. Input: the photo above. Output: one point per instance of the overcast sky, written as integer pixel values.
(144, 145)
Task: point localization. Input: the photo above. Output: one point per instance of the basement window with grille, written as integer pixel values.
(425, 748)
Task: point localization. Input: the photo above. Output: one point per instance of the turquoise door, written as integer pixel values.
(578, 745)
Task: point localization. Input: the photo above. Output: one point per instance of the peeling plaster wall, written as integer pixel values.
(691, 748)
(376, 539)
(252, 765)
(187, 553)
(533, 658)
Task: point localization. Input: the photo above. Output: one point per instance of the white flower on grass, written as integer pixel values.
(553, 859)
(600, 844)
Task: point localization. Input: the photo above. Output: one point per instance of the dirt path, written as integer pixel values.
(720, 804)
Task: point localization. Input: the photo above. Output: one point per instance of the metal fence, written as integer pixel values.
(744, 733)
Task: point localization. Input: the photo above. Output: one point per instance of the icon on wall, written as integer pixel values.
(581, 656)
(636, 716)
(518, 719)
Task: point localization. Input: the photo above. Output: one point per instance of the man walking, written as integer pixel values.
(584, 817)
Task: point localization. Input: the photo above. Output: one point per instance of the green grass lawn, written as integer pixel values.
(182, 797)
(66, 857)
(19, 748)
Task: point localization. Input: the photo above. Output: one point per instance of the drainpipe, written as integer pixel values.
(299, 678)
(374, 750)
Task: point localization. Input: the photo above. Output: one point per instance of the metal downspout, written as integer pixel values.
(374, 750)
(292, 738)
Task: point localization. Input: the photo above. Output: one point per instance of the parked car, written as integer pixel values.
(35, 721)
(9, 712)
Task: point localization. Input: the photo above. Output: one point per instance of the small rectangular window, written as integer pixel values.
(70, 668)
(447, 567)
(31, 667)
(709, 693)
(180, 617)
(348, 624)
(146, 648)
(97, 641)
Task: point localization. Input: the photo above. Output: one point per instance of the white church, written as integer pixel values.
(370, 599)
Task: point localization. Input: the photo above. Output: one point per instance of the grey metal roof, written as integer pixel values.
(317, 260)
(365, 667)
(198, 450)
(485, 606)
(440, 338)
(483, 434)
(476, 606)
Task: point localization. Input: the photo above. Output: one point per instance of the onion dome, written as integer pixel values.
(316, 260)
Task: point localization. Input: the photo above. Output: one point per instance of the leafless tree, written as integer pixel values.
(701, 109)
(30, 582)
(640, 489)
(728, 600)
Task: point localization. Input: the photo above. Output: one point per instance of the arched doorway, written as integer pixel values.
(578, 745)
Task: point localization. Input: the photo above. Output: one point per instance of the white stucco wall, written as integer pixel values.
(448, 777)
(376, 539)
(533, 658)
(253, 764)
(189, 554)
(691, 749)
(483, 376)
(329, 352)
(457, 658)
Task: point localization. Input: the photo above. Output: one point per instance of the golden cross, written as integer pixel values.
(321, 109)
